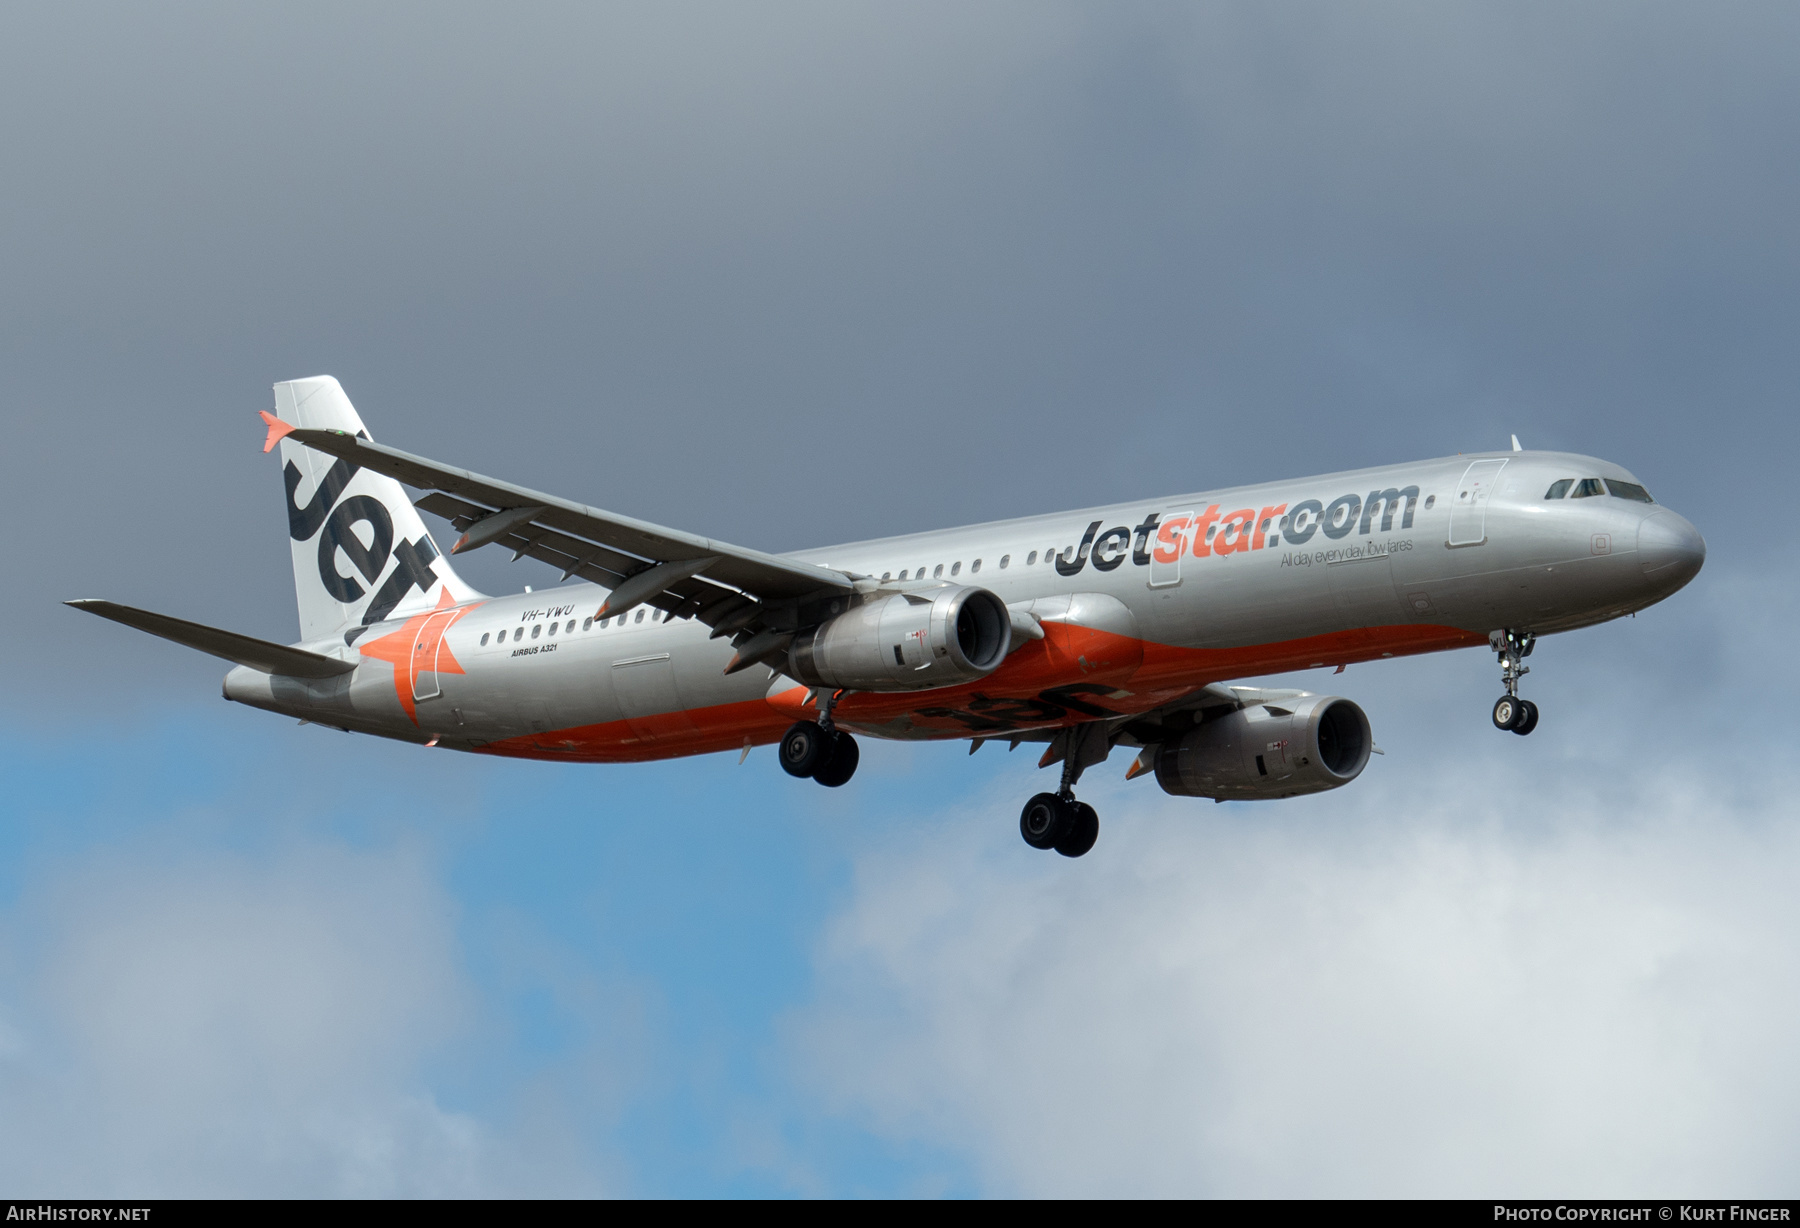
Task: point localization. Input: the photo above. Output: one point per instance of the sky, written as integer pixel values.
(795, 274)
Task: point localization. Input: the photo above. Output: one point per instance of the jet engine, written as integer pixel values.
(1276, 749)
(906, 642)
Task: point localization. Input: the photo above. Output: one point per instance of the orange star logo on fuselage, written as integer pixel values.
(418, 647)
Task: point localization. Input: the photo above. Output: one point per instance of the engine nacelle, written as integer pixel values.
(1278, 749)
(906, 642)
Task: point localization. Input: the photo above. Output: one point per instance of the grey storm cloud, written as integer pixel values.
(794, 274)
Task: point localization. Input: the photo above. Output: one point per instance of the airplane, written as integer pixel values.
(1083, 631)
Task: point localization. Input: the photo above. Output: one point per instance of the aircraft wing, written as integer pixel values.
(1210, 701)
(683, 574)
(1093, 740)
(241, 649)
(1149, 729)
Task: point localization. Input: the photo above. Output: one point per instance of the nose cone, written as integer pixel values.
(1670, 550)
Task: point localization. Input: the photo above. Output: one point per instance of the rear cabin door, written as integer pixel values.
(1468, 509)
(428, 646)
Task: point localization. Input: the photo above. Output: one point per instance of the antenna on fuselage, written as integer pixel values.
(1516, 447)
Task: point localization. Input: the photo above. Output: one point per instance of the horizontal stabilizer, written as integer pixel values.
(242, 649)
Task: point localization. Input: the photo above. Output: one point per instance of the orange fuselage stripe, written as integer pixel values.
(1101, 670)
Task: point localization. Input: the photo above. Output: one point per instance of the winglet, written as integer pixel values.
(1145, 762)
(277, 430)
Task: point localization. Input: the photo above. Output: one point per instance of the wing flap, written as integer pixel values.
(262, 655)
(574, 556)
(767, 577)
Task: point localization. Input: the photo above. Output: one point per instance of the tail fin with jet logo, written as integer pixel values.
(361, 553)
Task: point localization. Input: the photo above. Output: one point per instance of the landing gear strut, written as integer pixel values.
(1056, 820)
(820, 750)
(1510, 712)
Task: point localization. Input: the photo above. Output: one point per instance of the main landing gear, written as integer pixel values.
(1511, 712)
(1056, 820)
(820, 750)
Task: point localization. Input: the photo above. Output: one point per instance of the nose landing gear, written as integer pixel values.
(1520, 716)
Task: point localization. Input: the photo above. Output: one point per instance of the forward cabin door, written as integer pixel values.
(1165, 572)
(1468, 509)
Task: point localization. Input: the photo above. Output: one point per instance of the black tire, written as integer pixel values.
(1508, 712)
(805, 748)
(838, 769)
(1528, 721)
(1082, 832)
(1045, 820)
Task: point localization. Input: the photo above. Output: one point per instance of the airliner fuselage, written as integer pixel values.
(1140, 603)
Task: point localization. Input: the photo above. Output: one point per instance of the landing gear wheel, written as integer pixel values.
(1046, 820)
(1082, 832)
(805, 748)
(841, 766)
(1528, 719)
(1509, 712)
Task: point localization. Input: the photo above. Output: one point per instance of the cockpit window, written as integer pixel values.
(1587, 487)
(1559, 489)
(1628, 490)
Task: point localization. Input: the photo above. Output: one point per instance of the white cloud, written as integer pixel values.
(204, 1024)
(1570, 971)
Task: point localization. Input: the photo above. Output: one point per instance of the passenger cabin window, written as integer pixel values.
(903, 573)
(956, 568)
(937, 572)
(1588, 487)
(1628, 490)
(518, 634)
(888, 575)
(639, 618)
(537, 630)
(1031, 559)
(484, 639)
(1559, 489)
(1005, 561)
(587, 624)
(975, 567)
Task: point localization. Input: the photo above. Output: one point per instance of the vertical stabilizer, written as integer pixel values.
(361, 553)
